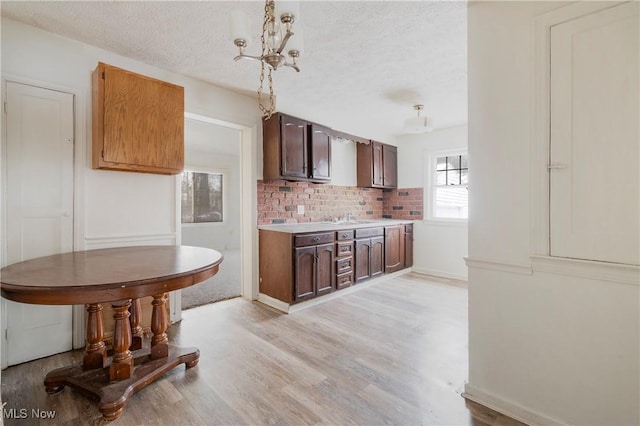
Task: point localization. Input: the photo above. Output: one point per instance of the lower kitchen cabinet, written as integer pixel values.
(314, 274)
(299, 266)
(305, 272)
(369, 253)
(408, 246)
(394, 248)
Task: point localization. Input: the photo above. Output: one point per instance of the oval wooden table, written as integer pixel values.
(120, 276)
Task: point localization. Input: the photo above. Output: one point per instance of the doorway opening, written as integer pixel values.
(210, 201)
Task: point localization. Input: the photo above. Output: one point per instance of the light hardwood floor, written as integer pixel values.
(392, 353)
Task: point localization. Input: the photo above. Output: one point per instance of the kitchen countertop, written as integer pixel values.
(295, 228)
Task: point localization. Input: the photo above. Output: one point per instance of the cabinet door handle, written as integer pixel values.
(315, 239)
(345, 235)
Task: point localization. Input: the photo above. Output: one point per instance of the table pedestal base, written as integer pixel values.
(113, 395)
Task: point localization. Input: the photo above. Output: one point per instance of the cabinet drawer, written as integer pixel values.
(344, 248)
(313, 239)
(344, 265)
(344, 280)
(344, 235)
(369, 232)
(408, 229)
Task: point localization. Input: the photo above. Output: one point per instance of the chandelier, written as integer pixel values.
(418, 124)
(274, 42)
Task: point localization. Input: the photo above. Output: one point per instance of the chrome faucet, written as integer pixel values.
(349, 217)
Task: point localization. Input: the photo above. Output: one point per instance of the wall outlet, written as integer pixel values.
(300, 209)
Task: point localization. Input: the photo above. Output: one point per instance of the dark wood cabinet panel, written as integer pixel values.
(325, 274)
(408, 246)
(363, 259)
(320, 153)
(389, 166)
(377, 165)
(394, 248)
(294, 136)
(296, 149)
(137, 122)
(305, 265)
(376, 266)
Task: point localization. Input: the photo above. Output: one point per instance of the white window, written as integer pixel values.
(449, 177)
(201, 197)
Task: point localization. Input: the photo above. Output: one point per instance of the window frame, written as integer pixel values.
(431, 158)
(224, 196)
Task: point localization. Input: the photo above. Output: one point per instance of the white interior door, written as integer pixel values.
(594, 152)
(38, 210)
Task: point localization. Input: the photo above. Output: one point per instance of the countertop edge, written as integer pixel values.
(302, 228)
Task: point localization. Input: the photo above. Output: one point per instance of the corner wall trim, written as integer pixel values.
(438, 273)
(498, 265)
(507, 408)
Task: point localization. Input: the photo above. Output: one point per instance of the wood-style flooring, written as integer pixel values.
(393, 353)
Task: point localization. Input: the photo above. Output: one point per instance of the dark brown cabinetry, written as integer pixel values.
(296, 267)
(137, 122)
(295, 149)
(408, 246)
(377, 165)
(369, 253)
(394, 248)
(344, 259)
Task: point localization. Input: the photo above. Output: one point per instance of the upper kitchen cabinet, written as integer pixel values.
(377, 165)
(138, 122)
(295, 149)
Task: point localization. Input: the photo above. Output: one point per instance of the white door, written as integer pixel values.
(39, 210)
(594, 155)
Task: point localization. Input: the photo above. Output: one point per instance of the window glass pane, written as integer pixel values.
(201, 197)
(451, 202)
(441, 177)
(464, 177)
(464, 162)
(453, 177)
(187, 197)
(441, 163)
(454, 162)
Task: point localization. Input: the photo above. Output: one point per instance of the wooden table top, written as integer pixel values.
(104, 275)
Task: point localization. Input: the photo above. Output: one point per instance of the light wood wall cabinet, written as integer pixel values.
(377, 165)
(138, 122)
(296, 149)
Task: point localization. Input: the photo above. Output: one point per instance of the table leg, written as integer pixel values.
(96, 353)
(159, 323)
(136, 330)
(122, 361)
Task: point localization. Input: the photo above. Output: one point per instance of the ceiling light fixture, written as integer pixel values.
(273, 42)
(419, 124)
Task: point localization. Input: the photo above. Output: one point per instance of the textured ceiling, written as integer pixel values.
(365, 63)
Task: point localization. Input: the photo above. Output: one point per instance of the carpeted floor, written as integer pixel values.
(224, 285)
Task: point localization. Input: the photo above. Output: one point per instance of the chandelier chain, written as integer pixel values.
(268, 15)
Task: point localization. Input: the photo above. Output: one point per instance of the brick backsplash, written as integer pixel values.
(403, 203)
(278, 202)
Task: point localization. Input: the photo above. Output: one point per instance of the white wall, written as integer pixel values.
(115, 208)
(439, 246)
(554, 346)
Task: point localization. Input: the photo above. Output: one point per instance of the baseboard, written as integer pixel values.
(507, 408)
(437, 273)
(273, 302)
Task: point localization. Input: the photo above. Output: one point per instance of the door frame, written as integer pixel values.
(79, 160)
(248, 196)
